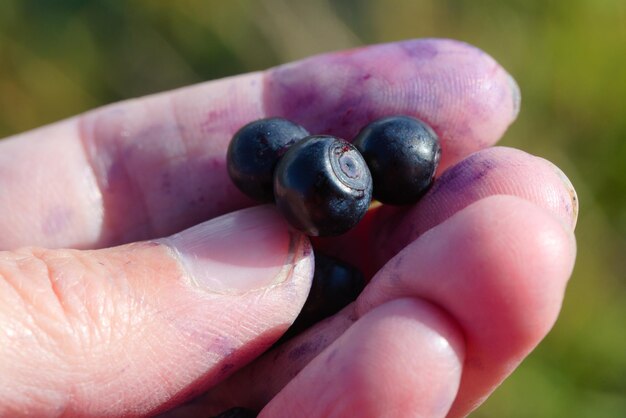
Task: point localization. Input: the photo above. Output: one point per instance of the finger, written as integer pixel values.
(492, 171)
(267, 375)
(416, 375)
(152, 166)
(499, 267)
(133, 330)
(371, 371)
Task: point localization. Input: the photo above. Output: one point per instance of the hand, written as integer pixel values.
(465, 283)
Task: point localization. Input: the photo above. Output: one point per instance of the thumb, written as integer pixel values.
(135, 329)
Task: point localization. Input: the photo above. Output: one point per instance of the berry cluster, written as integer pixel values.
(323, 185)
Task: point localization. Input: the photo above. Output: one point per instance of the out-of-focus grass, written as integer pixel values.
(60, 58)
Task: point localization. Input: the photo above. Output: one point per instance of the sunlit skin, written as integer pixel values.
(133, 321)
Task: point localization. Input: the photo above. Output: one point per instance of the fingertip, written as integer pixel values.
(149, 167)
(403, 358)
(488, 172)
(515, 254)
(461, 91)
(571, 205)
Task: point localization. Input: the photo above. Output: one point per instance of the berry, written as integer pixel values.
(322, 186)
(402, 154)
(254, 151)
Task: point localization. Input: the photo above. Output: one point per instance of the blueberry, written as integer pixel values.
(254, 151)
(402, 154)
(335, 285)
(237, 412)
(322, 186)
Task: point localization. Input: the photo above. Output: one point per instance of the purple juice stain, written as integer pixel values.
(425, 49)
(304, 349)
(349, 166)
(462, 175)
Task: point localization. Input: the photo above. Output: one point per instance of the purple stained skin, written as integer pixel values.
(59, 217)
(465, 174)
(455, 88)
(460, 181)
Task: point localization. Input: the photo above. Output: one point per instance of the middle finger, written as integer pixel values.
(153, 166)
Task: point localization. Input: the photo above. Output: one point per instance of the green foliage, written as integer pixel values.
(59, 58)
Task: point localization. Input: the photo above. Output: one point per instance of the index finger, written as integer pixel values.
(152, 166)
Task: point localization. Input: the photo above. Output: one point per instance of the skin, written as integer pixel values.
(104, 313)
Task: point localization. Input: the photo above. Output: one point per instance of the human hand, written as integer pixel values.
(465, 283)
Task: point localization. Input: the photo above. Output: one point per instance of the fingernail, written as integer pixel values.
(516, 94)
(239, 252)
(572, 193)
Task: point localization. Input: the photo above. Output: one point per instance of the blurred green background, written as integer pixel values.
(59, 58)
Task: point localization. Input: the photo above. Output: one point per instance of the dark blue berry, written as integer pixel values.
(322, 186)
(237, 412)
(402, 154)
(254, 151)
(335, 285)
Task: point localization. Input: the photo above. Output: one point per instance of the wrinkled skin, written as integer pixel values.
(102, 316)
